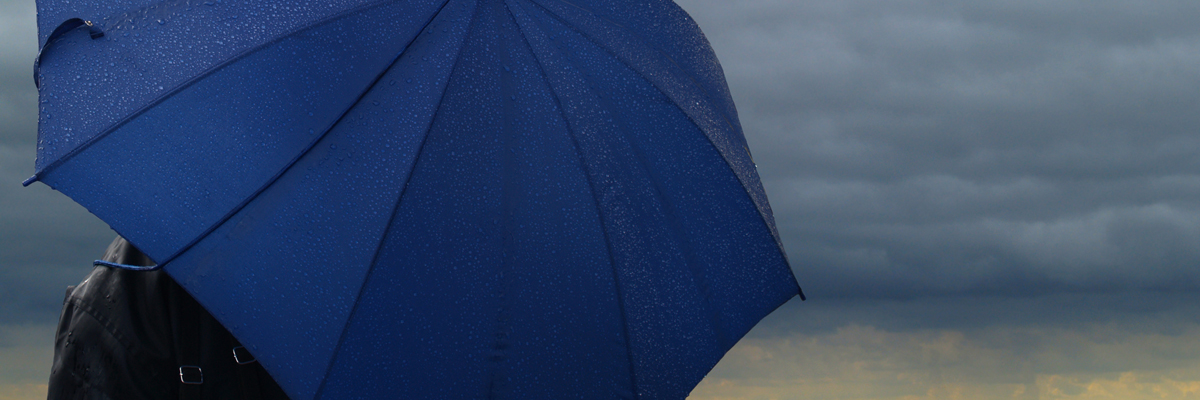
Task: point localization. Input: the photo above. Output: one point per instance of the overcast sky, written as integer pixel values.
(983, 199)
(992, 199)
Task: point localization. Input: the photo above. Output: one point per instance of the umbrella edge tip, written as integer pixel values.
(30, 181)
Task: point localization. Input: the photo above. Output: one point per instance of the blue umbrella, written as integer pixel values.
(428, 199)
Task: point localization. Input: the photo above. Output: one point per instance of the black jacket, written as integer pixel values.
(138, 335)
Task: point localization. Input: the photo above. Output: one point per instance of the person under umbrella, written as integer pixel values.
(128, 334)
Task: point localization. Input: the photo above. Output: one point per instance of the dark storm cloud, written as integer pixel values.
(1139, 312)
(916, 148)
(46, 243)
(18, 97)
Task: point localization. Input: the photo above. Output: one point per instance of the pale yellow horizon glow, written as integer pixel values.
(862, 362)
(1121, 361)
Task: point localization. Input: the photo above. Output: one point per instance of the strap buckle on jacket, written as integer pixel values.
(191, 375)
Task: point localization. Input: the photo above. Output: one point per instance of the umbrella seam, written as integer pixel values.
(291, 163)
(600, 213)
(314, 142)
(615, 23)
(192, 81)
(507, 270)
(400, 197)
(728, 121)
(673, 221)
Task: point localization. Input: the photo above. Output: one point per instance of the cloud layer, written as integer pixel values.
(917, 148)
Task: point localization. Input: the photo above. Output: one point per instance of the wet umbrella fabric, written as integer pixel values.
(444, 199)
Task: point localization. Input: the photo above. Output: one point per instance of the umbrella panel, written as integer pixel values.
(519, 207)
(699, 91)
(477, 248)
(151, 48)
(495, 279)
(697, 191)
(175, 171)
(284, 272)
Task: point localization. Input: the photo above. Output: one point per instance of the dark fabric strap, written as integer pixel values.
(187, 349)
(247, 372)
(62, 29)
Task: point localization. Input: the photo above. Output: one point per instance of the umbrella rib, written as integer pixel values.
(507, 275)
(192, 81)
(691, 79)
(764, 213)
(395, 208)
(599, 211)
(726, 117)
(300, 154)
(608, 245)
(676, 229)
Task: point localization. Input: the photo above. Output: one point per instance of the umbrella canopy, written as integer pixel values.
(435, 199)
